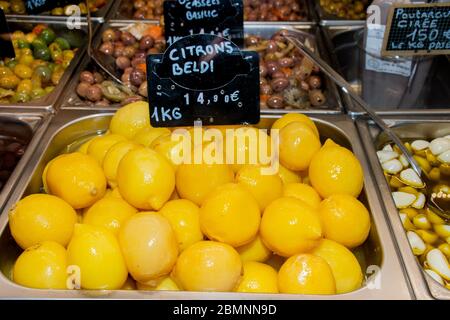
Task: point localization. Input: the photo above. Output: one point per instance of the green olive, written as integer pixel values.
(48, 35)
(23, 71)
(43, 72)
(20, 97)
(42, 53)
(9, 82)
(62, 43)
(37, 93)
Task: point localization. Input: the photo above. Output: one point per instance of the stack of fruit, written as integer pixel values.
(124, 213)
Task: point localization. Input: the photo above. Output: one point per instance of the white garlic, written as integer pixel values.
(384, 156)
(439, 145)
(403, 199)
(435, 276)
(420, 201)
(388, 147)
(444, 157)
(438, 263)
(392, 166)
(403, 161)
(418, 145)
(417, 245)
(410, 177)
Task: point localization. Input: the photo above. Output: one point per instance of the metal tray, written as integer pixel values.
(70, 99)
(378, 255)
(408, 128)
(49, 100)
(346, 56)
(311, 16)
(28, 127)
(99, 16)
(326, 19)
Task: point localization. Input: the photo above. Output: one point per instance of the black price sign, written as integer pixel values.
(203, 78)
(39, 6)
(6, 46)
(418, 29)
(224, 18)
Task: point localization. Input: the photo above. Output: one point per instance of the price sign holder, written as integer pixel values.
(6, 46)
(417, 29)
(224, 18)
(203, 78)
(39, 6)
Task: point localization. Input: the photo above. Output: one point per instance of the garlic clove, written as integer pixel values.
(438, 263)
(384, 156)
(418, 145)
(444, 157)
(417, 245)
(410, 177)
(392, 166)
(403, 160)
(435, 276)
(403, 200)
(439, 145)
(420, 201)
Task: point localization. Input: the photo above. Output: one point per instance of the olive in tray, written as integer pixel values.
(254, 10)
(287, 79)
(129, 52)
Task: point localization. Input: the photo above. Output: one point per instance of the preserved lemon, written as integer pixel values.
(258, 278)
(302, 192)
(295, 117)
(254, 251)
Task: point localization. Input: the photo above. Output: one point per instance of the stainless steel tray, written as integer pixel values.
(326, 19)
(346, 56)
(28, 127)
(311, 16)
(377, 254)
(407, 128)
(99, 16)
(48, 102)
(70, 99)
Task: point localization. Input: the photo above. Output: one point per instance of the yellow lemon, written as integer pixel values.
(84, 147)
(254, 251)
(258, 278)
(330, 143)
(344, 220)
(145, 179)
(344, 265)
(110, 213)
(172, 150)
(306, 274)
(99, 146)
(42, 266)
(76, 178)
(149, 246)
(184, 217)
(264, 188)
(208, 266)
(288, 176)
(113, 157)
(290, 226)
(335, 169)
(195, 181)
(298, 145)
(302, 192)
(166, 284)
(147, 135)
(295, 117)
(251, 146)
(230, 214)
(41, 217)
(96, 251)
(128, 120)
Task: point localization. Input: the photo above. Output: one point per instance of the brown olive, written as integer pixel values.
(304, 85)
(127, 38)
(98, 77)
(262, 81)
(262, 70)
(275, 102)
(82, 89)
(251, 40)
(119, 51)
(317, 98)
(315, 82)
(279, 84)
(128, 70)
(143, 89)
(126, 78)
(146, 42)
(129, 51)
(278, 74)
(286, 62)
(87, 76)
(123, 62)
(109, 35)
(266, 89)
(272, 67)
(94, 93)
(131, 99)
(137, 61)
(137, 76)
(118, 34)
(107, 48)
(272, 46)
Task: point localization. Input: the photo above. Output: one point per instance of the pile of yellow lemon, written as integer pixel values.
(123, 214)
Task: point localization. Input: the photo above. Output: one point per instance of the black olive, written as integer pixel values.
(279, 84)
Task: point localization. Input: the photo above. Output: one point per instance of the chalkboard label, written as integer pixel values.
(39, 6)
(203, 78)
(418, 29)
(6, 46)
(224, 18)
